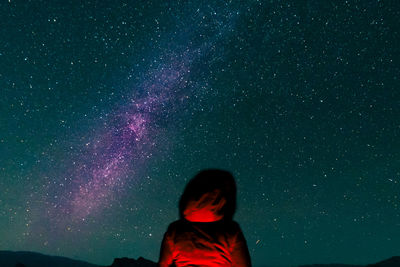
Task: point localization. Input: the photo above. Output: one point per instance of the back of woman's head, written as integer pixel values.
(209, 196)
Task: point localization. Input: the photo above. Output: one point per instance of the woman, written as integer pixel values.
(206, 234)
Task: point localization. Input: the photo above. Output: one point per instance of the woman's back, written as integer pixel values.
(206, 235)
(218, 243)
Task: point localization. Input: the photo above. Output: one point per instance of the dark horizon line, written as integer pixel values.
(262, 265)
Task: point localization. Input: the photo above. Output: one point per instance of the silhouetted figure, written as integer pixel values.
(206, 234)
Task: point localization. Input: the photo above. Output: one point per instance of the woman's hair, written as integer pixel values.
(218, 183)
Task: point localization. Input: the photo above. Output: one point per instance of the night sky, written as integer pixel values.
(107, 108)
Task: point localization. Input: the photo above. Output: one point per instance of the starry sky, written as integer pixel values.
(107, 108)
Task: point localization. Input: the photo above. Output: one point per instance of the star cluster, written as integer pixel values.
(109, 107)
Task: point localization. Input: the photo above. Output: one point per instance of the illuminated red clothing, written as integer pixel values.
(218, 243)
(206, 234)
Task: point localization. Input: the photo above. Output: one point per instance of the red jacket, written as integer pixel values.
(206, 235)
(218, 243)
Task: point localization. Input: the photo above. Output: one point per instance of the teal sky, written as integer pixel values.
(107, 108)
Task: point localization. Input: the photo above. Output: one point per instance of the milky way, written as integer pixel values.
(129, 135)
(107, 108)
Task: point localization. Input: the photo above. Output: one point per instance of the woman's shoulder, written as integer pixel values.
(227, 226)
(230, 226)
(177, 223)
(233, 227)
(227, 223)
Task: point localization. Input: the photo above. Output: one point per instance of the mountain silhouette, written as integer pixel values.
(33, 259)
(392, 262)
(331, 265)
(127, 262)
